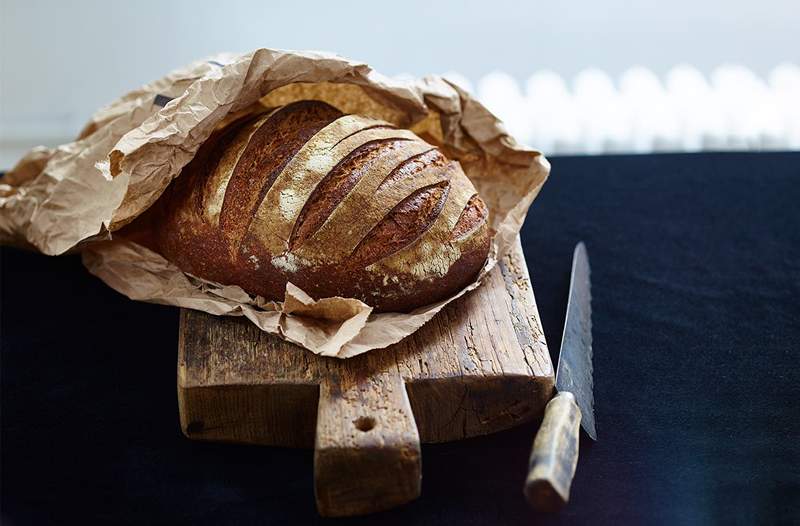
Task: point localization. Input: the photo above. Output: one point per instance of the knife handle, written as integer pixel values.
(554, 455)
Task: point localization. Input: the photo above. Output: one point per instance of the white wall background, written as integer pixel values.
(60, 60)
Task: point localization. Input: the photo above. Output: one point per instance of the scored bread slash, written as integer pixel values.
(364, 211)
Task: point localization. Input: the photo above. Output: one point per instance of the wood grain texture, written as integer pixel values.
(554, 456)
(481, 365)
(367, 452)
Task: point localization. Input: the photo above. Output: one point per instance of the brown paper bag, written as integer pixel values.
(76, 196)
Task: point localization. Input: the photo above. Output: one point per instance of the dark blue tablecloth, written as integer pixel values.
(696, 275)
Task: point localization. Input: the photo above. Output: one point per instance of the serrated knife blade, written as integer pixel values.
(574, 369)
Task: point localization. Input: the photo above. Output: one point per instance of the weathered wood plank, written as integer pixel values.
(481, 365)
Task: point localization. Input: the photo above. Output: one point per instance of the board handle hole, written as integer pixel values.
(365, 423)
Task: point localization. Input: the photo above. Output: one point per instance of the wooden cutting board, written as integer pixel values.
(481, 365)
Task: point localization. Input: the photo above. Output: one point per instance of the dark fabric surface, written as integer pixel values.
(696, 279)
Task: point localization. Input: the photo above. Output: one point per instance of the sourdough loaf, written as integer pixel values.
(340, 205)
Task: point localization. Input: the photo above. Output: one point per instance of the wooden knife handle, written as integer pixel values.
(554, 455)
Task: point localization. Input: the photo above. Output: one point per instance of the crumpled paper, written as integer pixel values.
(76, 197)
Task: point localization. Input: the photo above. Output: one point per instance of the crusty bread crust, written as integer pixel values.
(340, 205)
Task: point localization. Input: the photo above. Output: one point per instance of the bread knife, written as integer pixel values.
(554, 456)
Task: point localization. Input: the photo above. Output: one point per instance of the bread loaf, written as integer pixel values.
(340, 205)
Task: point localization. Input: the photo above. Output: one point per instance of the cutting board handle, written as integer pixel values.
(367, 451)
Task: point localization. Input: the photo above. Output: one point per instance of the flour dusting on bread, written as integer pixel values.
(340, 205)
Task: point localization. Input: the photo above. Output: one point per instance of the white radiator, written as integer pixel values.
(731, 109)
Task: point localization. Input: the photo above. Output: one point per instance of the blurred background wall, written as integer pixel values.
(558, 72)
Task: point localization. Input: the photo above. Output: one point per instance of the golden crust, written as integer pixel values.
(340, 205)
